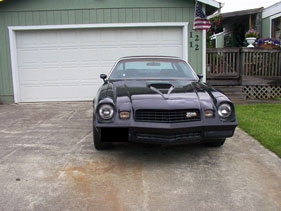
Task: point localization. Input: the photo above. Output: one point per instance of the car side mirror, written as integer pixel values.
(103, 77)
(200, 76)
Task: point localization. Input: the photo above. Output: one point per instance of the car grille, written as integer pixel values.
(165, 116)
(168, 137)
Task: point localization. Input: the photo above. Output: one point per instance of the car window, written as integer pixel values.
(152, 69)
(148, 65)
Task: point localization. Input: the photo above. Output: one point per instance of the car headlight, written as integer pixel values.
(224, 110)
(106, 111)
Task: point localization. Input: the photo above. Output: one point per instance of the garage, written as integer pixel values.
(64, 64)
(55, 50)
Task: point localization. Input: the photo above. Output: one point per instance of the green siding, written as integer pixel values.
(39, 12)
(220, 41)
(266, 27)
(31, 5)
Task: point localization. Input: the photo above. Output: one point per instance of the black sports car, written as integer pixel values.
(156, 99)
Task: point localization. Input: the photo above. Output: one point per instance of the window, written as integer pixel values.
(275, 33)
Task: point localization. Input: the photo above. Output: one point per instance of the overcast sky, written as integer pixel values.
(234, 5)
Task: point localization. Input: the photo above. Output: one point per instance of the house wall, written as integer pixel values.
(27, 5)
(220, 41)
(266, 27)
(53, 12)
(268, 14)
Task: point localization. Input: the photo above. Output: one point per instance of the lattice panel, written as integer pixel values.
(262, 92)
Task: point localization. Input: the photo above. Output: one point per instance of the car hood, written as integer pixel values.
(166, 94)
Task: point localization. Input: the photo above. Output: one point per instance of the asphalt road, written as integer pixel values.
(48, 162)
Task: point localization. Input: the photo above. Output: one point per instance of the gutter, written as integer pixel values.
(212, 3)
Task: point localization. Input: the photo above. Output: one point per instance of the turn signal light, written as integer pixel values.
(124, 115)
(209, 113)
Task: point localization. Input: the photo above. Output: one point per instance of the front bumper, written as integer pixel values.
(166, 136)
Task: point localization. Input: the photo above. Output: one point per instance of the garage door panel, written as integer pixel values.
(25, 39)
(49, 38)
(68, 37)
(27, 57)
(130, 50)
(55, 93)
(29, 77)
(109, 36)
(171, 34)
(88, 37)
(34, 75)
(150, 35)
(75, 74)
(49, 56)
(89, 54)
(69, 55)
(31, 57)
(129, 36)
(162, 50)
(64, 65)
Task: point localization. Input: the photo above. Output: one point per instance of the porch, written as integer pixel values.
(245, 73)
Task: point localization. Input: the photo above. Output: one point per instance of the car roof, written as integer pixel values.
(149, 57)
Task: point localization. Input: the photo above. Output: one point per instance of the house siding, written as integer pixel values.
(220, 41)
(35, 12)
(266, 27)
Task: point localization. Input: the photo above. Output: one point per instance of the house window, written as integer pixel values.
(276, 25)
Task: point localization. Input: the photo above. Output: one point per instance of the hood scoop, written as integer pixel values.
(156, 87)
(161, 85)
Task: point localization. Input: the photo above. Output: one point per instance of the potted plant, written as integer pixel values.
(251, 37)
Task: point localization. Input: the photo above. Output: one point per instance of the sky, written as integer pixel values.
(234, 5)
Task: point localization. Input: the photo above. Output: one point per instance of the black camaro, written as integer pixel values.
(156, 99)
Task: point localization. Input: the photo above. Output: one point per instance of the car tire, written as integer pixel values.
(217, 143)
(97, 141)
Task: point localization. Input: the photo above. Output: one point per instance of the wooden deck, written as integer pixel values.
(243, 66)
(233, 70)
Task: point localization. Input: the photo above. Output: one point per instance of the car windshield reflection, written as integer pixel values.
(152, 69)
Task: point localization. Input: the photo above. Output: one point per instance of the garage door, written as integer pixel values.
(64, 65)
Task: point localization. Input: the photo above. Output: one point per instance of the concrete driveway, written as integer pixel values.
(47, 162)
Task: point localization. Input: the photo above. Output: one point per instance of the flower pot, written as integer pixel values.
(250, 41)
(268, 46)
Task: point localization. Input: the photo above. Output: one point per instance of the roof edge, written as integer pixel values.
(242, 12)
(272, 10)
(212, 3)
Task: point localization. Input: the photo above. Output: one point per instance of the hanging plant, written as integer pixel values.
(216, 27)
(216, 24)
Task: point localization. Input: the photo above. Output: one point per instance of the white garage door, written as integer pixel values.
(64, 65)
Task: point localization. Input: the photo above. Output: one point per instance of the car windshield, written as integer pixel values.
(152, 69)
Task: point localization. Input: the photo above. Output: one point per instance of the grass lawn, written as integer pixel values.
(263, 122)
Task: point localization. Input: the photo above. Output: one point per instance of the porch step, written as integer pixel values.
(233, 92)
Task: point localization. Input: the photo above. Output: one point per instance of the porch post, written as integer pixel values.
(204, 53)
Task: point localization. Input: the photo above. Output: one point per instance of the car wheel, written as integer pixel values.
(217, 143)
(97, 141)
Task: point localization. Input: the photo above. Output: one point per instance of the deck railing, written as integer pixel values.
(261, 62)
(245, 65)
(223, 62)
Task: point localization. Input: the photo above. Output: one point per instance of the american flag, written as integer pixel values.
(200, 20)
